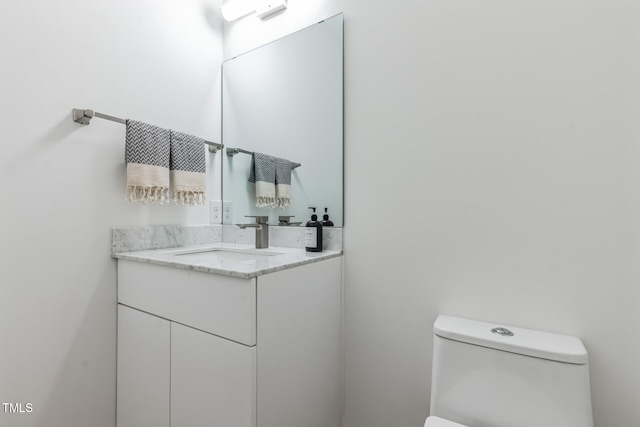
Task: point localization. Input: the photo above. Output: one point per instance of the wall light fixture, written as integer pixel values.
(236, 9)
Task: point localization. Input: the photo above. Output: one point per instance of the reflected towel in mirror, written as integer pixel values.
(263, 173)
(283, 183)
(272, 177)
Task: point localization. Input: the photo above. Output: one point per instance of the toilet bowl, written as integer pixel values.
(439, 422)
(486, 374)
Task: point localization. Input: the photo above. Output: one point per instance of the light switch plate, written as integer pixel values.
(227, 212)
(215, 212)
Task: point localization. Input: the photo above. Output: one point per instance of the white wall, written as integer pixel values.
(509, 128)
(64, 184)
(491, 173)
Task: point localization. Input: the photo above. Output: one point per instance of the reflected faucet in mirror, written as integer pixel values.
(285, 220)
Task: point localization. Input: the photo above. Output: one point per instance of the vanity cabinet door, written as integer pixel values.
(299, 374)
(143, 369)
(212, 380)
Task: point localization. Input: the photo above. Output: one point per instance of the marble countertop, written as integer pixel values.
(228, 259)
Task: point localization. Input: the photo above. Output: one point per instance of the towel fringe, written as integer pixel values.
(155, 194)
(190, 198)
(266, 202)
(144, 194)
(283, 202)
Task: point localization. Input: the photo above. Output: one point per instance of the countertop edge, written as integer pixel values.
(131, 256)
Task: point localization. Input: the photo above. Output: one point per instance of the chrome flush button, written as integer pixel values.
(502, 331)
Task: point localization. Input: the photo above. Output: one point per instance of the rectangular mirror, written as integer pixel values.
(285, 99)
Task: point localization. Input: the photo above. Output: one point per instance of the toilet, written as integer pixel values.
(488, 375)
(439, 422)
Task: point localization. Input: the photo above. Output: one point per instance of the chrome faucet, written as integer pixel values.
(262, 230)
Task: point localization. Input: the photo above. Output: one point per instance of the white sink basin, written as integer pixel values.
(224, 254)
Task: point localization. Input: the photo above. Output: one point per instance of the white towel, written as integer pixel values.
(188, 169)
(147, 151)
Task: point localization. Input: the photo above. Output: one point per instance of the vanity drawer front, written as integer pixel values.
(221, 305)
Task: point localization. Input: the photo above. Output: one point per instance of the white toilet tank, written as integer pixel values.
(492, 379)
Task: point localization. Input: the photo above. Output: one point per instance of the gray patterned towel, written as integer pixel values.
(263, 173)
(272, 177)
(283, 183)
(188, 169)
(147, 157)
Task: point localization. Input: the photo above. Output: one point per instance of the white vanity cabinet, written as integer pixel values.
(201, 349)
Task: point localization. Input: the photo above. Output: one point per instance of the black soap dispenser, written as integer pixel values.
(313, 234)
(326, 222)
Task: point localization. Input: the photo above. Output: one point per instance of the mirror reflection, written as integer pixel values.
(284, 101)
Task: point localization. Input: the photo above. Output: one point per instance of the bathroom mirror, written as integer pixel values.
(285, 99)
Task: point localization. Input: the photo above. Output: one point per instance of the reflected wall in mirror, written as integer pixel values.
(285, 99)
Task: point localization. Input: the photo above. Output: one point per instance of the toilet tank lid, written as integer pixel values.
(543, 345)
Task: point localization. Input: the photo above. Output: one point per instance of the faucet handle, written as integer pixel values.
(285, 219)
(260, 219)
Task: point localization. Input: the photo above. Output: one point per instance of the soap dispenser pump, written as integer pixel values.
(313, 233)
(326, 222)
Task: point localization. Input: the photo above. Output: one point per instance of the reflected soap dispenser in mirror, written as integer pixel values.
(326, 222)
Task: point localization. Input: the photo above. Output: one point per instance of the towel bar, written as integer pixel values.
(84, 118)
(233, 151)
